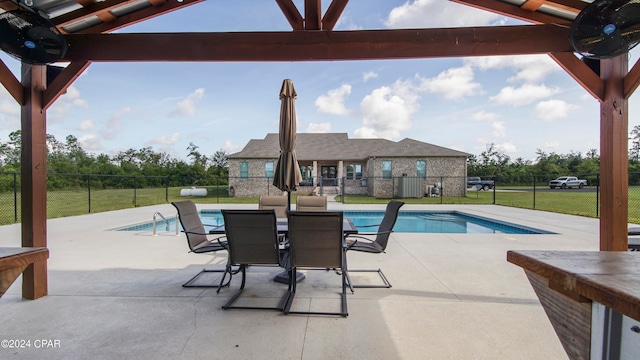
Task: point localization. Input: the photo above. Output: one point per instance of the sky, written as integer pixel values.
(521, 104)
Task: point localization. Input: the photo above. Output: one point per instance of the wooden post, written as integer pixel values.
(614, 171)
(33, 178)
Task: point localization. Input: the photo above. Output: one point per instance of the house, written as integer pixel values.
(332, 162)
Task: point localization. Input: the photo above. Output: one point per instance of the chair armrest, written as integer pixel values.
(370, 234)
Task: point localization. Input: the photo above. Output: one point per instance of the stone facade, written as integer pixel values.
(335, 152)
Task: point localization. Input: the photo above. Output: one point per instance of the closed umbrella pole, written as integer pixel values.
(287, 174)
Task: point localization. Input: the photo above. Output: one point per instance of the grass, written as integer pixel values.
(76, 202)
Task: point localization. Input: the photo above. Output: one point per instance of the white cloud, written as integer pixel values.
(9, 111)
(61, 107)
(230, 148)
(453, 83)
(90, 142)
(551, 110)
(369, 75)
(114, 126)
(163, 140)
(187, 107)
(319, 128)
(437, 13)
(499, 130)
(552, 144)
(333, 102)
(528, 68)
(387, 111)
(507, 148)
(526, 94)
(86, 125)
(484, 116)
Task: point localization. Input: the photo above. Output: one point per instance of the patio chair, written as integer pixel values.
(633, 242)
(252, 237)
(311, 203)
(316, 242)
(277, 203)
(365, 243)
(197, 239)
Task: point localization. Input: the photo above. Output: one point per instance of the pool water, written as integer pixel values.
(449, 222)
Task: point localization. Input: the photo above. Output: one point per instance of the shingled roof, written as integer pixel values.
(338, 146)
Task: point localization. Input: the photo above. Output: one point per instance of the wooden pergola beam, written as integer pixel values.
(138, 16)
(333, 13)
(582, 73)
(507, 9)
(319, 45)
(11, 83)
(60, 84)
(632, 80)
(292, 14)
(312, 15)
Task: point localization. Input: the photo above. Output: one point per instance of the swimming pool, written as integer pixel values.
(450, 222)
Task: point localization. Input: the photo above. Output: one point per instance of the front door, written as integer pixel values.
(329, 175)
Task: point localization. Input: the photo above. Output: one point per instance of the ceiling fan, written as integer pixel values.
(31, 38)
(606, 28)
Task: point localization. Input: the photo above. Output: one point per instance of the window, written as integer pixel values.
(268, 169)
(244, 170)
(354, 172)
(421, 168)
(386, 169)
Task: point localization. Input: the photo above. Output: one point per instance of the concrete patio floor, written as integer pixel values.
(118, 295)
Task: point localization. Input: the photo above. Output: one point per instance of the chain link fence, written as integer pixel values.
(73, 194)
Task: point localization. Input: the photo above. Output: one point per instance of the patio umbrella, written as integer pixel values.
(287, 175)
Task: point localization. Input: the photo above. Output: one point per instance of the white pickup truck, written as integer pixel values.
(564, 182)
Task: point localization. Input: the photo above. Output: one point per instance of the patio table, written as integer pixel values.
(347, 225)
(348, 228)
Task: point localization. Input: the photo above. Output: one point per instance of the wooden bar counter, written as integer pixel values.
(14, 260)
(571, 284)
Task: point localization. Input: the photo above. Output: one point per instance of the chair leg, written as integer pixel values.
(343, 301)
(386, 282)
(237, 293)
(189, 284)
(234, 297)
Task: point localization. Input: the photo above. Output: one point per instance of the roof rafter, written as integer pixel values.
(312, 15)
(292, 14)
(319, 45)
(506, 9)
(333, 13)
(138, 16)
(95, 9)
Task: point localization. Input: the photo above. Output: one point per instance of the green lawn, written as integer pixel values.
(76, 202)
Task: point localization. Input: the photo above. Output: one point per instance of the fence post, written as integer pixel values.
(89, 192)
(598, 195)
(166, 189)
(441, 189)
(135, 189)
(344, 178)
(217, 189)
(15, 197)
(534, 192)
(494, 190)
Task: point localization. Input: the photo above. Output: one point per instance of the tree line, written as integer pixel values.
(144, 166)
(70, 158)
